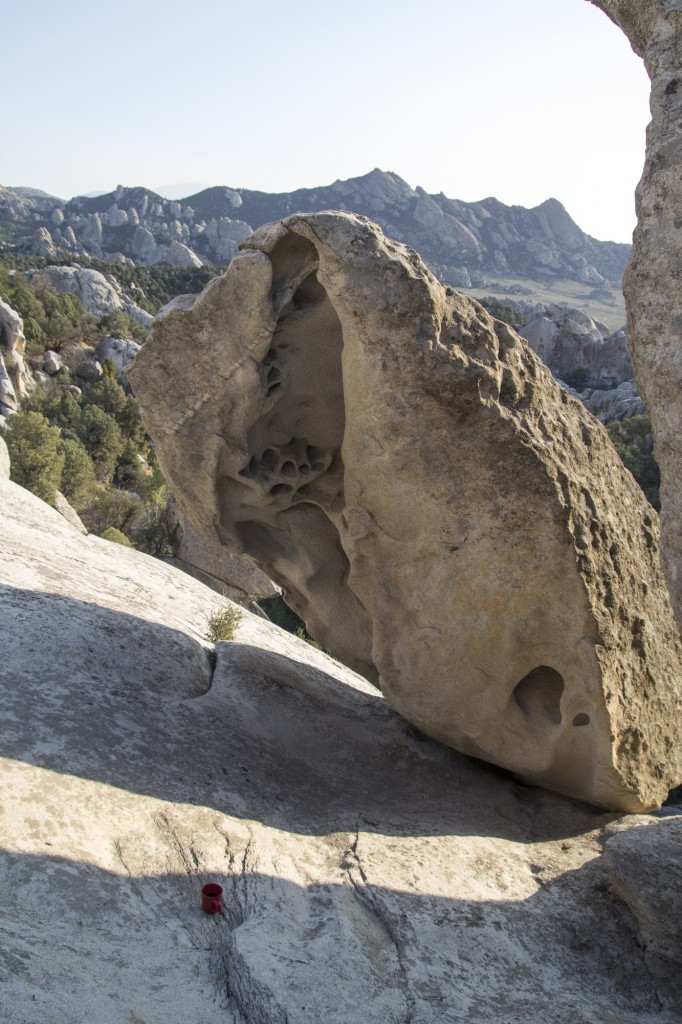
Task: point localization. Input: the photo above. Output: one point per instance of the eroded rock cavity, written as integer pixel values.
(446, 520)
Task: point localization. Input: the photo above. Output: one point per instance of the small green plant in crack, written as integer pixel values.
(223, 623)
(303, 634)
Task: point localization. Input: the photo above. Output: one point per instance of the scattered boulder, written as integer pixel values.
(88, 369)
(121, 352)
(652, 293)
(52, 362)
(437, 509)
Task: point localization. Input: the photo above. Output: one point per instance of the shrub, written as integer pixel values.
(303, 634)
(116, 536)
(110, 507)
(119, 325)
(36, 459)
(634, 442)
(78, 474)
(501, 311)
(578, 378)
(128, 472)
(152, 531)
(223, 623)
(107, 394)
(101, 436)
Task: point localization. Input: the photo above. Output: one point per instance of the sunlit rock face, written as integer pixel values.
(446, 520)
(652, 282)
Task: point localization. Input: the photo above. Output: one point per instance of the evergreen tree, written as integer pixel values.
(78, 474)
(101, 436)
(36, 459)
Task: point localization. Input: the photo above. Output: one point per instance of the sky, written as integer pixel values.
(520, 99)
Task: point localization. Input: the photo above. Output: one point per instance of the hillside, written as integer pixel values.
(468, 245)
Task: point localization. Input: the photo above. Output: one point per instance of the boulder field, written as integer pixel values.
(370, 875)
(445, 518)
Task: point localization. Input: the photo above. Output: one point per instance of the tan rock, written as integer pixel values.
(236, 576)
(69, 513)
(652, 293)
(444, 518)
(4, 460)
(645, 871)
(370, 875)
(17, 379)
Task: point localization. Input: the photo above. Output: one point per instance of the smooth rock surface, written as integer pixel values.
(436, 508)
(645, 871)
(4, 460)
(371, 876)
(653, 296)
(65, 509)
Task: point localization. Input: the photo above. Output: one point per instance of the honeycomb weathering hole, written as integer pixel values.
(538, 695)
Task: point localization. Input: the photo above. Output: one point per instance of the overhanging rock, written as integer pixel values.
(445, 519)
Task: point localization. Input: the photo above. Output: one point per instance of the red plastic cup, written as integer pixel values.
(211, 898)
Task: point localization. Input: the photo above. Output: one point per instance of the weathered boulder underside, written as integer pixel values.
(446, 520)
(653, 296)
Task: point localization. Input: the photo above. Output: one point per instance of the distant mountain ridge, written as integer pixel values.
(461, 242)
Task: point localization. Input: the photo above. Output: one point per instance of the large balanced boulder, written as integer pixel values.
(447, 521)
(653, 297)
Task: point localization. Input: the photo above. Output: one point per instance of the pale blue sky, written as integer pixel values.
(521, 99)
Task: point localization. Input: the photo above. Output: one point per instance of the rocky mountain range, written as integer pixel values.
(461, 242)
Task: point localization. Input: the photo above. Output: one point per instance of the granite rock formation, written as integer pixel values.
(121, 352)
(99, 293)
(619, 403)
(15, 376)
(436, 508)
(4, 460)
(652, 285)
(370, 875)
(568, 340)
(461, 242)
